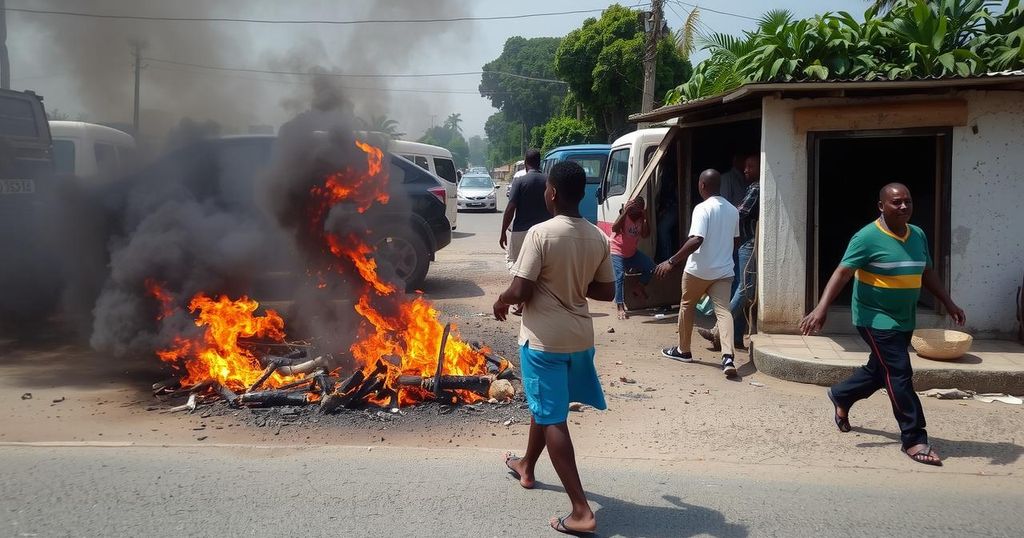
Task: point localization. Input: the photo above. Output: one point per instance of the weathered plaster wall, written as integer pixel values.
(987, 220)
(987, 225)
(783, 226)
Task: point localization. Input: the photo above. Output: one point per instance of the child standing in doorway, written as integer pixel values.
(627, 230)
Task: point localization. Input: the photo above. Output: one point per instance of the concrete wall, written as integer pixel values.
(987, 226)
(987, 221)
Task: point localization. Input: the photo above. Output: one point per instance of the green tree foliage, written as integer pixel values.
(381, 124)
(603, 63)
(505, 139)
(449, 136)
(454, 122)
(477, 151)
(521, 99)
(564, 131)
(912, 39)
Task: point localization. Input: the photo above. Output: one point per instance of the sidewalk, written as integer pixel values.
(991, 365)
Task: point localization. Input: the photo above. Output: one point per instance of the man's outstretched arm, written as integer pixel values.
(813, 322)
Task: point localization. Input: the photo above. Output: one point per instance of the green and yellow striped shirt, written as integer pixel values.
(888, 276)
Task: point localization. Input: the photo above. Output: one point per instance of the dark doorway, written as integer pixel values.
(849, 169)
(714, 146)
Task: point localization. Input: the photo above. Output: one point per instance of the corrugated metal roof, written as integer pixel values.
(752, 89)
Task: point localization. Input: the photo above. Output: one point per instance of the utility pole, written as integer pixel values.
(5, 61)
(137, 46)
(652, 25)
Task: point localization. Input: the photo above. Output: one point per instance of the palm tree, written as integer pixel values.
(382, 124)
(686, 35)
(453, 121)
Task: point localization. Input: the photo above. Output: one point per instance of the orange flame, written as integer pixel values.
(160, 294)
(410, 336)
(217, 355)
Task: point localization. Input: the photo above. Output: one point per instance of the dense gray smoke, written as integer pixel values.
(96, 57)
(195, 221)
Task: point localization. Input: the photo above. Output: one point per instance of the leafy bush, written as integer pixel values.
(915, 38)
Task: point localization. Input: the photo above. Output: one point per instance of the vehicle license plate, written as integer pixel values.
(17, 186)
(475, 204)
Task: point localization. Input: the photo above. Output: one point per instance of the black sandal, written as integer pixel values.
(924, 456)
(843, 423)
(559, 526)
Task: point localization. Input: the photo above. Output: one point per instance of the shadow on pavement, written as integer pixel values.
(461, 235)
(1001, 453)
(451, 288)
(35, 361)
(616, 517)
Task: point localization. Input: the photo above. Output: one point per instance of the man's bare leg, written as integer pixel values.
(563, 458)
(525, 466)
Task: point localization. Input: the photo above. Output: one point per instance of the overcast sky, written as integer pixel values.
(48, 53)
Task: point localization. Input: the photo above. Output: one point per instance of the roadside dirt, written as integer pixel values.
(665, 410)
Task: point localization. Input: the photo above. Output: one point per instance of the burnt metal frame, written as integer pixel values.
(944, 170)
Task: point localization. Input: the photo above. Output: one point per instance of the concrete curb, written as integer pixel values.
(825, 373)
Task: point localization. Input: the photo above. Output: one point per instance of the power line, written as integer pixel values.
(295, 21)
(714, 10)
(359, 88)
(348, 75)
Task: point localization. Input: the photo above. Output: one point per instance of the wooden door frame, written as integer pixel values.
(944, 170)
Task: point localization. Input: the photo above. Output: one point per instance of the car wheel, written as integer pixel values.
(407, 255)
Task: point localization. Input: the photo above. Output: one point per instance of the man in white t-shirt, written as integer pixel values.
(709, 268)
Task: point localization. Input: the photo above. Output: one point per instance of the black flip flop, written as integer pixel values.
(921, 456)
(515, 474)
(560, 527)
(512, 457)
(843, 423)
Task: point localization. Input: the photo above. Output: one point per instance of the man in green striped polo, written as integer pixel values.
(889, 261)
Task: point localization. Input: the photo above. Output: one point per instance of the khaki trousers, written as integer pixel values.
(514, 245)
(693, 289)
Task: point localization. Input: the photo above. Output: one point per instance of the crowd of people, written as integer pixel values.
(558, 260)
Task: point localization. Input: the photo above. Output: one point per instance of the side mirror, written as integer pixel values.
(600, 195)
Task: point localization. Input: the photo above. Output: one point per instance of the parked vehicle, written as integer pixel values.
(437, 161)
(91, 152)
(28, 274)
(593, 158)
(477, 191)
(520, 171)
(626, 160)
(407, 236)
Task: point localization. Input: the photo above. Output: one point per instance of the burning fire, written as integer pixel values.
(406, 340)
(218, 355)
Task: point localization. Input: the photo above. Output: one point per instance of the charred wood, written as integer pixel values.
(189, 406)
(273, 397)
(167, 385)
(436, 386)
(303, 367)
(475, 383)
(343, 393)
(227, 394)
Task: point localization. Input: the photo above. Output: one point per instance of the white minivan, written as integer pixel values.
(437, 161)
(629, 155)
(89, 151)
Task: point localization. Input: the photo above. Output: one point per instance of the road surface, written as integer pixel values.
(358, 491)
(682, 451)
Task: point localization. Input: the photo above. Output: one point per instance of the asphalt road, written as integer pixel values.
(230, 491)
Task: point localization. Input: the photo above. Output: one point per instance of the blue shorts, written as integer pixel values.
(552, 380)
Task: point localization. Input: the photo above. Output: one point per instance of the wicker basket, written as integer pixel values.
(941, 344)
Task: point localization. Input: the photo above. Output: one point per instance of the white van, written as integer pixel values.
(437, 161)
(629, 155)
(90, 151)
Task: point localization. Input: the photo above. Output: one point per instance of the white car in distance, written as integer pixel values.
(477, 191)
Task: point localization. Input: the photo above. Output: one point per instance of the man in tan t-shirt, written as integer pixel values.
(563, 261)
